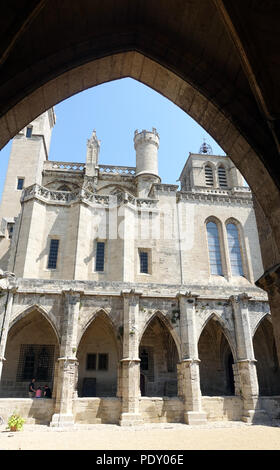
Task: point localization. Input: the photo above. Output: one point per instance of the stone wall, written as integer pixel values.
(152, 409)
(223, 408)
(34, 411)
(97, 410)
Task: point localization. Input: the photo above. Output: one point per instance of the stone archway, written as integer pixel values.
(98, 359)
(216, 361)
(159, 357)
(31, 352)
(267, 365)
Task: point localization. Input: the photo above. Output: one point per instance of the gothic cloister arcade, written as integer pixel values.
(216, 361)
(31, 352)
(98, 357)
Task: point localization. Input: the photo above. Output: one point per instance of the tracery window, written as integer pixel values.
(234, 250)
(214, 249)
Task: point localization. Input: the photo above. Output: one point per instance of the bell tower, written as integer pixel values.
(30, 148)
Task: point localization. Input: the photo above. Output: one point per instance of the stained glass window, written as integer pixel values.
(234, 250)
(214, 249)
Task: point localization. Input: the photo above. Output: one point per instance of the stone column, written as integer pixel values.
(130, 363)
(5, 315)
(67, 365)
(188, 368)
(246, 362)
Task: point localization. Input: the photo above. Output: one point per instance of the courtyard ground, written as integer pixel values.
(167, 436)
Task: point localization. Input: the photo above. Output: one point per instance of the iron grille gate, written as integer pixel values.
(35, 361)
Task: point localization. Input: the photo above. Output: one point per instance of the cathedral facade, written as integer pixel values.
(133, 300)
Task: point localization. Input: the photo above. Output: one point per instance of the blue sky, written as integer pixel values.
(115, 110)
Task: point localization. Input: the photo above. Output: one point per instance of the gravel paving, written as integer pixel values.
(220, 435)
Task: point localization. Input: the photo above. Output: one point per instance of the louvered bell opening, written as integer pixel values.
(209, 176)
(222, 176)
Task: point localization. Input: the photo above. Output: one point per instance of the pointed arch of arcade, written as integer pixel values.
(32, 347)
(98, 353)
(268, 368)
(105, 316)
(36, 308)
(266, 316)
(160, 316)
(159, 352)
(216, 371)
(222, 324)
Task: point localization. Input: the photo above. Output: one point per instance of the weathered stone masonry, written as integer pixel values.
(149, 312)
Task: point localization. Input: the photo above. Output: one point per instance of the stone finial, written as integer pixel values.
(93, 141)
(93, 148)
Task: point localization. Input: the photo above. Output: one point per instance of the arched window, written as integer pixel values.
(214, 249)
(234, 250)
(209, 180)
(222, 177)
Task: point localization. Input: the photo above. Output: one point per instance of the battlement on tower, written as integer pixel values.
(146, 137)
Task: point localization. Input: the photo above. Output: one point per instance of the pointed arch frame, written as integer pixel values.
(158, 314)
(104, 315)
(230, 339)
(36, 307)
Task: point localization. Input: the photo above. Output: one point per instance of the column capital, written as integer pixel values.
(240, 298)
(189, 361)
(72, 295)
(187, 295)
(72, 291)
(131, 293)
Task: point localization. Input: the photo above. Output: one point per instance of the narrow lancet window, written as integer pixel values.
(144, 262)
(99, 260)
(53, 253)
(214, 249)
(234, 250)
